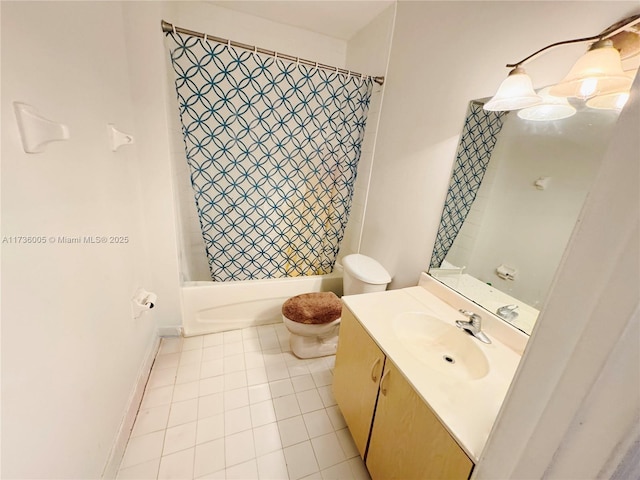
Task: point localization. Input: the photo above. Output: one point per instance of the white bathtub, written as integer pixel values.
(210, 307)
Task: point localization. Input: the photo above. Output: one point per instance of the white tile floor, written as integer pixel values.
(239, 405)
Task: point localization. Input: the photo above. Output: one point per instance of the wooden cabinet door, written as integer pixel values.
(408, 441)
(359, 365)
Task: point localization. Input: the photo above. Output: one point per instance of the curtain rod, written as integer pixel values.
(168, 27)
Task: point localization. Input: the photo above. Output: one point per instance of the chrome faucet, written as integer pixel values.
(473, 326)
(508, 312)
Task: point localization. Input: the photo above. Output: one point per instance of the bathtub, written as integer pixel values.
(210, 307)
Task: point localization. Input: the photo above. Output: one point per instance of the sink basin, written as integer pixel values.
(440, 345)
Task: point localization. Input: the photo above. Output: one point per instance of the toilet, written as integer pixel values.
(313, 319)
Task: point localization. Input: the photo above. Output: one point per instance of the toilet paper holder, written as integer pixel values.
(142, 301)
(506, 272)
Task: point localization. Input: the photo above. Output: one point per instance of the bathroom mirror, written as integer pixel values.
(515, 194)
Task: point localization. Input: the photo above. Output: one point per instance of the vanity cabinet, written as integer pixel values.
(407, 439)
(356, 377)
(395, 431)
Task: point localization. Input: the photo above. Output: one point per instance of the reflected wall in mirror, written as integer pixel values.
(515, 194)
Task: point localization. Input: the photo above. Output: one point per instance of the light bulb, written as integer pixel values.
(597, 72)
(588, 87)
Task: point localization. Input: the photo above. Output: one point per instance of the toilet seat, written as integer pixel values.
(313, 321)
(315, 308)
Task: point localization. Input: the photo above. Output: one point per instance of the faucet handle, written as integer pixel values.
(474, 318)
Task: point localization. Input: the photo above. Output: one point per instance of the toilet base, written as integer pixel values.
(313, 347)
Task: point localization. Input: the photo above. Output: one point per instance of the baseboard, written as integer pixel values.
(175, 331)
(120, 444)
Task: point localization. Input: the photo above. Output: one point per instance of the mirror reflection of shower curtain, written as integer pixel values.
(478, 139)
(273, 149)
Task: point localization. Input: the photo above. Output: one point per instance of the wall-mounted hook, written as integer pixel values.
(542, 183)
(35, 130)
(118, 138)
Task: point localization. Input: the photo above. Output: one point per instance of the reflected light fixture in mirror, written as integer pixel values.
(613, 101)
(551, 108)
(598, 72)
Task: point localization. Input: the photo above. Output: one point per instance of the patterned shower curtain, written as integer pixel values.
(479, 136)
(273, 148)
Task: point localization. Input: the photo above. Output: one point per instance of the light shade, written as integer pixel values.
(597, 72)
(612, 101)
(515, 92)
(551, 108)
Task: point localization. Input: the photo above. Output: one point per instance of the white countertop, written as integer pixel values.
(467, 408)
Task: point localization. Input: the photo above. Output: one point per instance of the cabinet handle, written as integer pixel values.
(383, 389)
(374, 377)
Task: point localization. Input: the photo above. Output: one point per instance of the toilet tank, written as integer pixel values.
(363, 274)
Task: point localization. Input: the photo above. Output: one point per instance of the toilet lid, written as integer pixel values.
(313, 308)
(366, 269)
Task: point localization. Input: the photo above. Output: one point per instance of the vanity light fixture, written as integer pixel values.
(598, 72)
(515, 92)
(551, 108)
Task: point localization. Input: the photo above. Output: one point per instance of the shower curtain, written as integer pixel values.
(273, 148)
(479, 136)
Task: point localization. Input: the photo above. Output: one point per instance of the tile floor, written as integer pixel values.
(239, 405)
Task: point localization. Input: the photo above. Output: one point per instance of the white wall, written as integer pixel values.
(71, 352)
(368, 53)
(145, 56)
(443, 55)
